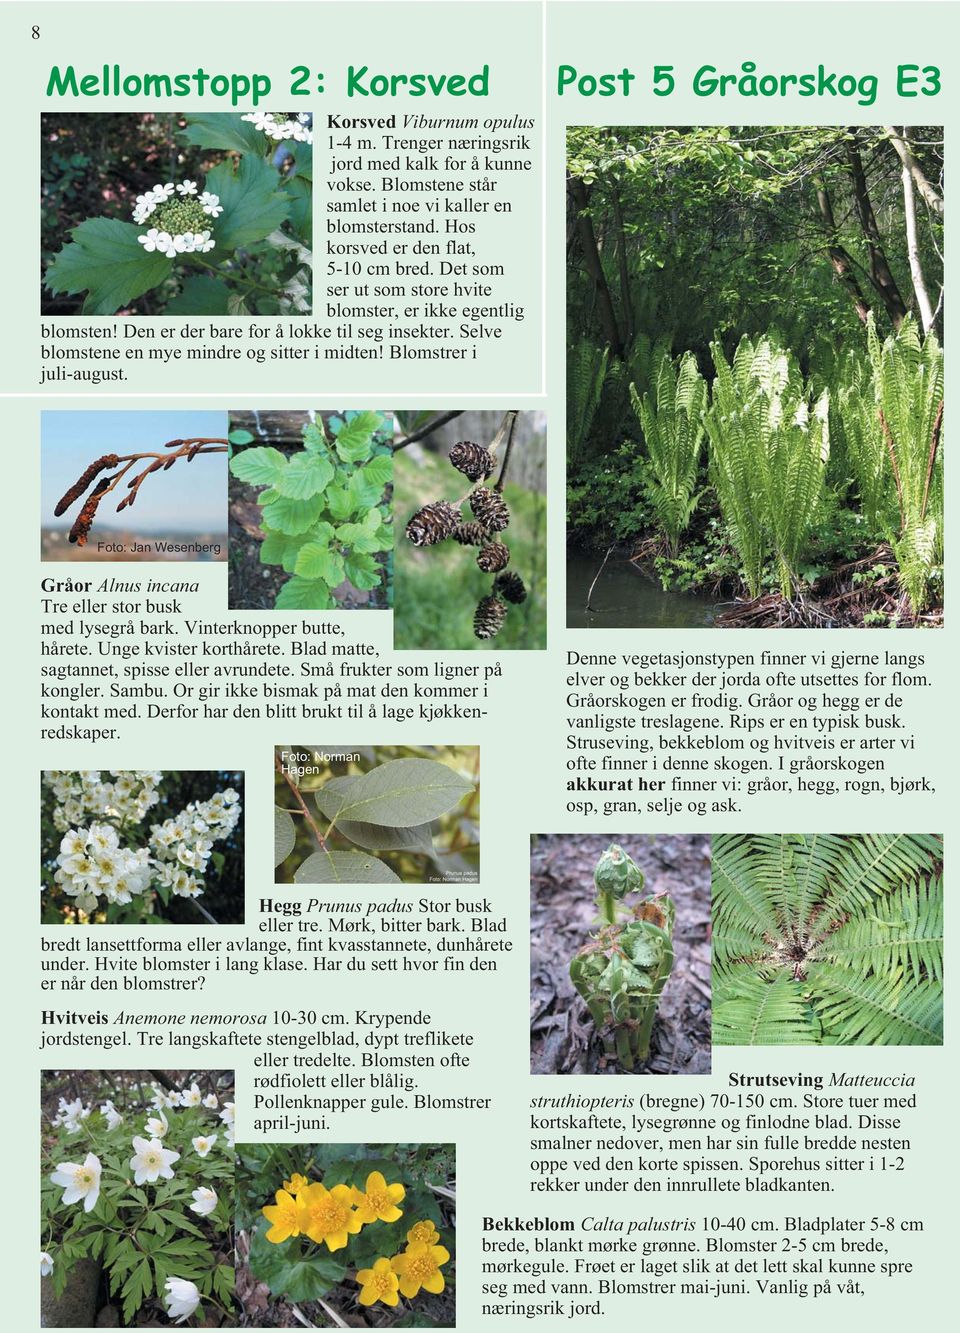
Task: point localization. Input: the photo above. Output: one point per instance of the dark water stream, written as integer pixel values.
(625, 598)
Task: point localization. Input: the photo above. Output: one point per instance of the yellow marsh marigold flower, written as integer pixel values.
(378, 1283)
(285, 1217)
(379, 1202)
(328, 1215)
(296, 1183)
(423, 1233)
(419, 1266)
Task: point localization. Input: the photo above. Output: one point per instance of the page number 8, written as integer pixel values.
(35, 32)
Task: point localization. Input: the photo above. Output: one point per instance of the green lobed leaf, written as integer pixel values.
(284, 836)
(253, 205)
(226, 130)
(334, 867)
(201, 295)
(286, 1273)
(300, 192)
(299, 594)
(400, 793)
(105, 260)
(259, 467)
(306, 475)
(317, 561)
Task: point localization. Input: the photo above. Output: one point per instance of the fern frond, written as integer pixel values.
(903, 932)
(748, 1011)
(885, 1010)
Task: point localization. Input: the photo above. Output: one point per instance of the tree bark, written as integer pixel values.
(624, 272)
(840, 258)
(901, 147)
(594, 267)
(913, 251)
(880, 274)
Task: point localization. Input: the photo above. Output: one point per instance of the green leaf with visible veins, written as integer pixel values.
(289, 1274)
(306, 475)
(284, 836)
(259, 467)
(354, 441)
(225, 130)
(344, 868)
(304, 595)
(362, 571)
(400, 793)
(105, 260)
(290, 516)
(253, 205)
(364, 488)
(317, 561)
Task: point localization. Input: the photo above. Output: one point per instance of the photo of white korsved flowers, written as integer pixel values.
(136, 1198)
(141, 847)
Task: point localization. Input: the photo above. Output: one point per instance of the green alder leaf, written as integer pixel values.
(306, 475)
(290, 555)
(340, 503)
(402, 793)
(226, 130)
(379, 469)
(290, 516)
(287, 1274)
(284, 836)
(362, 571)
(332, 867)
(299, 594)
(105, 260)
(314, 440)
(259, 467)
(364, 488)
(273, 548)
(317, 561)
(383, 838)
(253, 205)
(201, 295)
(354, 442)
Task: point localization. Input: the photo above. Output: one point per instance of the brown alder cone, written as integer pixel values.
(489, 617)
(473, 460)
(84, 520)
(494, 557)
(84, 480)
(433, 523)
(472, 534)
(511, 587)
(490, 509)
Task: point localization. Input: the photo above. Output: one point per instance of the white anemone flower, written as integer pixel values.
(79, 1182)
(204, 1201)
(191, 1096)
(182, 1298)
(151, 1160)
(210, 1101)
(46, 1264)
(227, 1114)
(156, 1126)
(112, 1116)
(203, 1143)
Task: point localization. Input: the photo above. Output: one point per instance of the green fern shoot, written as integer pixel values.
(827, 940)
(672, 420)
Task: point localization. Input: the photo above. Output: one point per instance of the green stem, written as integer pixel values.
(608, 908)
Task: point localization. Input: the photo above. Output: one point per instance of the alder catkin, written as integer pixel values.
(490, 509)
(84, 520)
(489, 617)
(511, 587)
(84, 480)
(433, 523)
(473, 460)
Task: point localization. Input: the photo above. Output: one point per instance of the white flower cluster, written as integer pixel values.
(70, 1115)
(128, 796)
(93, 863)
(184, 844)
(280, 126)
(180, 231)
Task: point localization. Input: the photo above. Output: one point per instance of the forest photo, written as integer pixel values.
(755, 376)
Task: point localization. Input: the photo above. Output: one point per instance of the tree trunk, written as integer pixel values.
(913, 251)
(625, 301)
(880, 275)
(840, 258)
(594, 267)
(901, 147)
